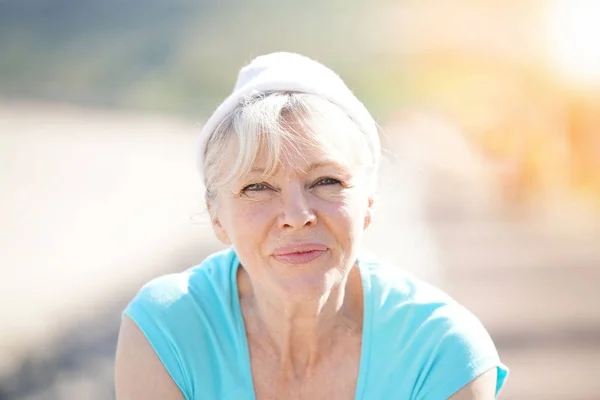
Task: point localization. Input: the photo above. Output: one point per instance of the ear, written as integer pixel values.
(220, 231)
(369, 212)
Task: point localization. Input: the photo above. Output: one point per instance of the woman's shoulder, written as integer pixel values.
(173, 304)
(396, 286)
(414, 303)
(189, 321)
(441, 341)
(197, 284)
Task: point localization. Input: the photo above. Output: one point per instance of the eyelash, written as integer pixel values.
(319, 182)
(333, 181)
(250, 189)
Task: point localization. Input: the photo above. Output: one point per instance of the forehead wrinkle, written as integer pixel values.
(295, 170)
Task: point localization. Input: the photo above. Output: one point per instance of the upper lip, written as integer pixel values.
(299, 248)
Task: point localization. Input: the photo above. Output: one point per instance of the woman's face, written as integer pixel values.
(296, 232)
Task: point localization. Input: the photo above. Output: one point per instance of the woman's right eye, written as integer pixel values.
(255, 187)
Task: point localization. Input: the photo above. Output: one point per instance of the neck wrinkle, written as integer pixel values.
(302, 333)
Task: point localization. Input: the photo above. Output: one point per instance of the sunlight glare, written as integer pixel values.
(574, 39)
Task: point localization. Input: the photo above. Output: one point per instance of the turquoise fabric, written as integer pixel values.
(418, 344)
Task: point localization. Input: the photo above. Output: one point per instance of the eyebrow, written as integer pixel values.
(325, 164)
(311, 167)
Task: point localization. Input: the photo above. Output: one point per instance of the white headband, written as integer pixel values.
(290, 72)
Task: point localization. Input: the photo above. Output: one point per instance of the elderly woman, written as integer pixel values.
(291, 310)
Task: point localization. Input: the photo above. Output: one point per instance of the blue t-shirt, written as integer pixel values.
(418, 344)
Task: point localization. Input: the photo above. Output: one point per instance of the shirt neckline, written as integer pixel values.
(244, 353)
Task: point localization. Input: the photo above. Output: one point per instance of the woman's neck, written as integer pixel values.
(301, 332)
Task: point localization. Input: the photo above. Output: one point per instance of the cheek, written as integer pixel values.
(248, 222)
(353, 202)
(346, 215)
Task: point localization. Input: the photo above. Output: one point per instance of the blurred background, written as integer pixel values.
(490, 112)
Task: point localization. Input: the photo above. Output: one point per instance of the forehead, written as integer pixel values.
(316, 140)
(302, 159)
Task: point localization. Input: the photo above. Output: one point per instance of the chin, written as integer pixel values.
(308, 284)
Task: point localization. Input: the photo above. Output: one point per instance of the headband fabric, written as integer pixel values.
(290, 72)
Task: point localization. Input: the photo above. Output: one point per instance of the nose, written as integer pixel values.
(296, 211)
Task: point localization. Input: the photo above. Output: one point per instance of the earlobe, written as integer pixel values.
(220, 232)
(224, 238)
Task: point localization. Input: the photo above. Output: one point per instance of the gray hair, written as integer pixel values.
(271, 120)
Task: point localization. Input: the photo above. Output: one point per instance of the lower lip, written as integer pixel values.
(299, 258)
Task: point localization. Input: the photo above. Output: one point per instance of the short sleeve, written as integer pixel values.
(459, 350)
(153, 309)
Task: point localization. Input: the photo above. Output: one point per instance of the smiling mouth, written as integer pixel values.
(300, 254)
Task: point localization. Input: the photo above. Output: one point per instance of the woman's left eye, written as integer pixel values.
(326, 182)
(255, 187)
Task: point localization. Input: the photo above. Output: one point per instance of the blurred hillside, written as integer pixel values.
(181, 56)
(177, 56)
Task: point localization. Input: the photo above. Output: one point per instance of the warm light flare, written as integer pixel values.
(574, 39)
